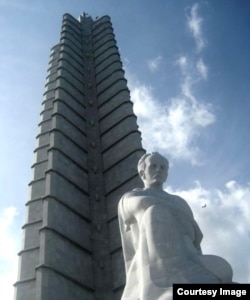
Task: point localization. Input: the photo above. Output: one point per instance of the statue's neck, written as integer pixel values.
(153, 187)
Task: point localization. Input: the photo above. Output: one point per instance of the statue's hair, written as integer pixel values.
(141, 162)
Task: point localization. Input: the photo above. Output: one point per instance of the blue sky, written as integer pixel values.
(188, 69)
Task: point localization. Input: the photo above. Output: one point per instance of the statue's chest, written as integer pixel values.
(138, 205)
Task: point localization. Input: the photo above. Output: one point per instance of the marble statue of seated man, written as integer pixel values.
(161, 239)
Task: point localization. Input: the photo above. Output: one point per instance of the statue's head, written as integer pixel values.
(153, 170)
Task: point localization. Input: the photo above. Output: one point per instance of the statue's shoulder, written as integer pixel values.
(180, 200)
(125, 201)
(134, 192)
(182, 204)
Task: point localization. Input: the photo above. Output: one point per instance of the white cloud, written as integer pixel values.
(194, 22)
(170, 128)
(190, 77)
(154, 63)
(191, 74)
(8, 253)
(182, 62)
(202, 68)
(173, 125)
(223, 216)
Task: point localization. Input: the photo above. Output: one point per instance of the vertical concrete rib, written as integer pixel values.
(65, 234)
(88, 148)
(29, 256)
(120, 139)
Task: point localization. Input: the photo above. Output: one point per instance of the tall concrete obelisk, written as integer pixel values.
(87, 151)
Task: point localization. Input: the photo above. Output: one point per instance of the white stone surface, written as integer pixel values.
(161, 239)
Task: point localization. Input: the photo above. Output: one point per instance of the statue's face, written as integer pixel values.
(155, 172)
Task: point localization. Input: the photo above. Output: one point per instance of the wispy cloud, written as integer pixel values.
(194, 22)
(8, 252)
(188, 79)
(154, 63)
(192, 72)
(172, 127)
(182, 62)
(223, 216)
(202, 68)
